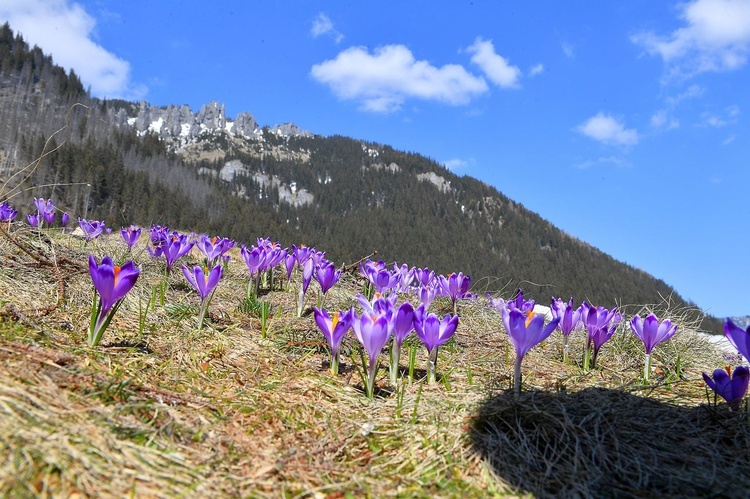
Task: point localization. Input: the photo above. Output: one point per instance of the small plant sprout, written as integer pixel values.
(372, 333)
(651, 333)
(569, 320)
(334, 328)
(526, 330)
(731, 388)
(205, 283)
(433, 332)
(111, 283)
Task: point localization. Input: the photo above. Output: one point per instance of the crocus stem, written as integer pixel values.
(263, 318)
(517, 377)
(647, 368)
(565, 349)
(393, 366)
(586, 356)
(300, 301)
(335, 362)
(432, 365)
(204, 307)
(370, 388)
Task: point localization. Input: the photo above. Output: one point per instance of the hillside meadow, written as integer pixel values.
(161, 408)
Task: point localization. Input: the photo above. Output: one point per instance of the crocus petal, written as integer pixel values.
(738, 337)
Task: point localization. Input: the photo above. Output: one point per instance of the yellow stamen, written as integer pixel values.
(117, 273)
(728, 369)
(334, 320)
(529, 316)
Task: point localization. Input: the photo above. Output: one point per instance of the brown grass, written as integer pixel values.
(221, 412)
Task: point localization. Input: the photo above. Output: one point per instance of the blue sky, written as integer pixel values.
(623, 123)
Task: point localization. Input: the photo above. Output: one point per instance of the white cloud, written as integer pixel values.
(608, 130)
(64, 30)
(455, 164)
(322, 25)
(536, 69)
(385, 79)
(663, 120)
(567, 49)
(729, 140)
(494, 66)
(729, 117)
(608, 160)
(715, 37)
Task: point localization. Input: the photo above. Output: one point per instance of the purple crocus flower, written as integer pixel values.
(301, 253)
(326, 275)
(401, 324)
(334, 328)
(731, 388)
(526, 330)
(569, 319)
(601, 324)
(45, 210)
(405, 276)
(7, 213)
(289, 262)
(455, 286)
(518, 302)
(64, 219)
(159, 236)
(33, 220)
(130, 235)
(424, 276)
(426, 294)
(112, 283)
(214, 248)
(372, 333)
(433, 332)
(177, 246)
(91, 228)
(738, 337)
(205, 283)
(651, 333)
(254, 259)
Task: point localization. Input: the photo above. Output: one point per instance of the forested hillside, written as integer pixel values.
(358, 196)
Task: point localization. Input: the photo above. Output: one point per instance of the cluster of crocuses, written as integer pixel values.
(46, 213)
(422, 282)
(526, 328)
(382, 319)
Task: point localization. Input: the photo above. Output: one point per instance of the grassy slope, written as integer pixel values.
(223, 412)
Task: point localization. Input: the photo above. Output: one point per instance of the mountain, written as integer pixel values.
(128, 162)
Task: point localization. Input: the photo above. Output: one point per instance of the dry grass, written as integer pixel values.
(165, 410)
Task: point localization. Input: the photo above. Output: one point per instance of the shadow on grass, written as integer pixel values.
(609, 443)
